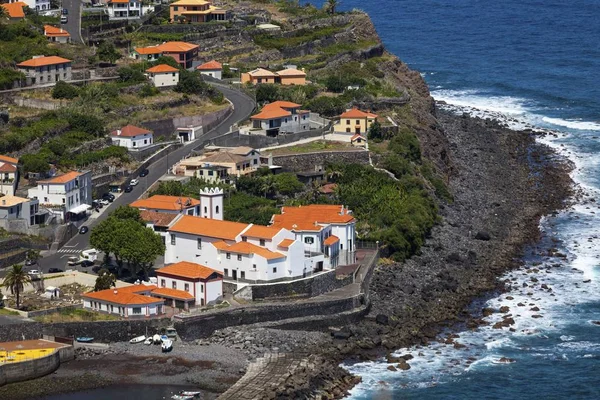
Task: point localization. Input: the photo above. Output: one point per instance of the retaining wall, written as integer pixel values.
(300, 162)
(308, 287)
(31, 369)
(167, 127)
(235, 138)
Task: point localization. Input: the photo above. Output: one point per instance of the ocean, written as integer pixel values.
(530, 63)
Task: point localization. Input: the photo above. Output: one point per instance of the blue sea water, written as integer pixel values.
(530, 63)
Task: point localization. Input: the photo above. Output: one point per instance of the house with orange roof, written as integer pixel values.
(168, 205)
(287, 76)
(258, 75)
(9, 175)
(330, 229)
(195, 11)
(213, 68)
(183, 52)
(135, 301)
(13, 208)
(188, 284)
(241, 252)
(14, 10)
(57, 35)
(67, 196)
(354, 121)
(358, 140)
(34, 5)
(45, 69)
(291, 76)
(132, 137)
(150, 53)
(219, 165)
(280, 117)
(163, 75)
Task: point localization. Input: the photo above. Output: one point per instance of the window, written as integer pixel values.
(201, 172)
(239, 257)
(211, 173)
(255, 161)
(45, 199)
(244, 238)
(216, 209)
(205, 210)
(202, 288)
(228, 256)
(172, 239)
(112, 308)
(309, 240)
(173, 73)
(64, 200)
(186, 287)
(347, 122)
(137, 310)
(174, 285)
(226, 272)
(134, 144)
(163, 283)
(254, 266)
(175, 8)
(274, 270)
(348, 130)
(357, 122)
(145, 141)
(242, 275)
(262, 242)
(199, 243)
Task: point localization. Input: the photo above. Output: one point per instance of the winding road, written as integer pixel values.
(242, 108)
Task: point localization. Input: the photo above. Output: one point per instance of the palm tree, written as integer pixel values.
(15, 280)
(34, 255)
(331, 5)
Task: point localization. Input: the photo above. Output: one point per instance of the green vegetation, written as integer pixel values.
(64, 90)
(192, 83)
(20, 41)
(292, 7)
(317, 145)
(126, 236)
(268, 41)
(7, 312)
(8, 76)
(75, 315)
(327, 106)
(15, 280)
(105, 280)
(107, 52)
(340, 48)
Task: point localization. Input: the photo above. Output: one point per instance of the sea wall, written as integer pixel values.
(30, 369)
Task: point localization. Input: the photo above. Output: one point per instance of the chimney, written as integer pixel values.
(115, 291)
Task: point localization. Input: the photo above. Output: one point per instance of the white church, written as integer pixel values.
(254, 253)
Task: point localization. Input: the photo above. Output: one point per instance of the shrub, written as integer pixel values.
(131, 75)
(64, 90)
(148, 90)
(326, 106)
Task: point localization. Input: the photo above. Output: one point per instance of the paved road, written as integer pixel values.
(73, 26)
(243, 107)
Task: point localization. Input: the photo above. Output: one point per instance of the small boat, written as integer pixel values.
(167, 346)
(156, 339)
(163, 338)
(190, 393)
(171, 333)
(148, 340)
(138, 339)
(181, 397)
(85, 339)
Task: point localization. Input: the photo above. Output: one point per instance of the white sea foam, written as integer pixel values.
(573, 124)
(474, 100)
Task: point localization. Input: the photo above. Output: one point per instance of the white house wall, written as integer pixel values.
(214, 289)
(133, 142)
(166, 79)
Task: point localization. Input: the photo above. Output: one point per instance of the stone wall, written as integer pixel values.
(302, 162)
(30, 369)
(235, 138)
(308, 287)
(101, 331)
(167, 127)
(39, 103)
(190, 327)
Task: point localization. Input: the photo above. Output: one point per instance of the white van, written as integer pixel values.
(90, 254)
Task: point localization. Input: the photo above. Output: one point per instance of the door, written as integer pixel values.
(357, 130)
(234, 275)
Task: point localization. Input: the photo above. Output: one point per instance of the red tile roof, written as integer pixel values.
(43, 61)
(291, 72)
(125, 296)
(261, 72)
(249, 248)
(50, 30)
(64, 178)
(211, 65)
(173, 294)
(148, 50)
(307, 218)
(356, 136)
(162, 68)
(277, 109)
(7, 167)
(189, 270)
(226, 230)
(130, 131)
(162, 202)
(9, 159)
(177, 47)
(283, 104)
(15, 10)
(331, 240)
(262, 232)
(286, 243)
(158, 218)
(356, 113)
(328, 188)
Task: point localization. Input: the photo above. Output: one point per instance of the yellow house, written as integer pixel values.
(196, 11)
(291, 76)
(259, 75)
(354, 121)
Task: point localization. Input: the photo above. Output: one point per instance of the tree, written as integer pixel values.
(267, 92)
(35, 163)
(326, 106)
(331, 5)
(64, 90)
(131, 75)
(107, 52)
(287, 184)
(190, 83)
(15, 280)
(127, 212)
(33, 255)
(105, 280)
(166, 60)
(375, 132)
(3, 13)
(142, 248)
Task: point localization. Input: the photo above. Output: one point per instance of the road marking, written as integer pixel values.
(72, 251)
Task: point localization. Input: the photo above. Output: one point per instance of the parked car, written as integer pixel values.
(105, 202)
(65, 11)
(97, 204)
(144, 172)
(29, 263)
(87, 263)
(34, 272)
(83, 230)
(128, 188)
(64, 19)
(55, 270)
(73, 261)
(134, 182)
(108, 196)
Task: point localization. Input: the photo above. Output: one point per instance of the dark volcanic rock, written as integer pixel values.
(483, 236)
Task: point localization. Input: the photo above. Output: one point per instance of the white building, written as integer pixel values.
(132, 137)
(280, 117)
(163, 75)
(187, 284)
(9, 175)
(35, 5)
(125, 9)
(330, 229)
(169, 205)
(212, 68)
(242, 252)
(68, 196)
(18, 208)
(129, 302)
